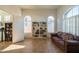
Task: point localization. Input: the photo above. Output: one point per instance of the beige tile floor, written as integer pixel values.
(30, 46)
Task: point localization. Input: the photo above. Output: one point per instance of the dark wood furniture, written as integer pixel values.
(8, 31)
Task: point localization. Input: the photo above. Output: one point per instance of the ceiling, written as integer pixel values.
(39, 6)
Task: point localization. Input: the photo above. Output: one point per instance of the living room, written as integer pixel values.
(39, 28)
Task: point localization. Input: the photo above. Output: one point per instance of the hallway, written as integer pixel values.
(30, 46)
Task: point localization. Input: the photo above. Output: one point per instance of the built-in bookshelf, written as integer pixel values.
(8, 31)
(39, 29)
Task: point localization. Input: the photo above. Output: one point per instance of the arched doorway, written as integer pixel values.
(50, 24)
(27, 26)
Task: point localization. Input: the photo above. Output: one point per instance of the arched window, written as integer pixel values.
(7, 18)
(50, 24)
(72, 12)
(27, 24)
(71, 21)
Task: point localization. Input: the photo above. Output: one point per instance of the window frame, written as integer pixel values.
(65, 18)
(26, 22)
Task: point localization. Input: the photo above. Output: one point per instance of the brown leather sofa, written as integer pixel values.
(66, 41)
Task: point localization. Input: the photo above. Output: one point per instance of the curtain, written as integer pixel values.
(71, 25)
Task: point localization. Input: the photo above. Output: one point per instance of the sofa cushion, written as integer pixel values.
(72, 42)
(65, 37)
(70, 37)
(59, 34)
(76, 38)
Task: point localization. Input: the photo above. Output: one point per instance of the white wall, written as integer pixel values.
(60, 12)
(18, 29)
(13, 10)
(38, 15)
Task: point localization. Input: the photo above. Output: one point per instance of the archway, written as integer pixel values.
(27, 26)
(5, 26)
(50, 24)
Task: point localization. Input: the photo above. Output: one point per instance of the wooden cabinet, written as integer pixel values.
(8, 31)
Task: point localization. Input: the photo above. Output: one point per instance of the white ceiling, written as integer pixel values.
(39, 6)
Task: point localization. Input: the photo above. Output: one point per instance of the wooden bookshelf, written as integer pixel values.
(8, 31)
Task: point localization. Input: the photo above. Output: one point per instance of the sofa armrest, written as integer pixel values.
(53, 34)
(72, 42)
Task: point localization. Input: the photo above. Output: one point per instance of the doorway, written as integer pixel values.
(27, 27)
(5, 26)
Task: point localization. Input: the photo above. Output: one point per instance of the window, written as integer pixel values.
(50, 24)
(71, 21)
(0, 21)
(7, 18)
(0, 18)
(27, 24)
(73, 12)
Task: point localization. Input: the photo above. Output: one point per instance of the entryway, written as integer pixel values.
(6, 26)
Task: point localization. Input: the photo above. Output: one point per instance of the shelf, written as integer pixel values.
(39, 29)
(8, 31)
